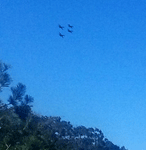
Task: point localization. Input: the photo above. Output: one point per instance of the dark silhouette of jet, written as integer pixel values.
(70, 26)
(61, 27)
(70, 31)
(61, 35)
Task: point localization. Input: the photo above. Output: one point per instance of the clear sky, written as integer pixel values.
(95, 76)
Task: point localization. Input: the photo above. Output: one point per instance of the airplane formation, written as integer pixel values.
(69, 29)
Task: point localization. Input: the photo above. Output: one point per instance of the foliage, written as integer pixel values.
(49, 133)
(20, 101)
(5, 78)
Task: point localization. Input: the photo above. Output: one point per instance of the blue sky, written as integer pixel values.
(95, 76)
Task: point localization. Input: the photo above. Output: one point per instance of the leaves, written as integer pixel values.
(28, 99)
(45, 133)
(5, 78)
(18, 92)
(12, 101)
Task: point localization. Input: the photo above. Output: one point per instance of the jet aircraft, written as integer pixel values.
(61, 35)
(70, 31)
(70, 26)
(61, 27)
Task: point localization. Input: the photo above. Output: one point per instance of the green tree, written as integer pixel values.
(20, 101)
(5, 78)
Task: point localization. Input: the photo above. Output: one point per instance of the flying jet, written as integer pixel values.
(70, 31)
(61, 35)
(61, 27)
(70, 26)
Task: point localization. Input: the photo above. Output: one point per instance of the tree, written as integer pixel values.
(5, 78)
(20, 101)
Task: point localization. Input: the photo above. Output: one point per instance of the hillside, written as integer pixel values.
(22, 129)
